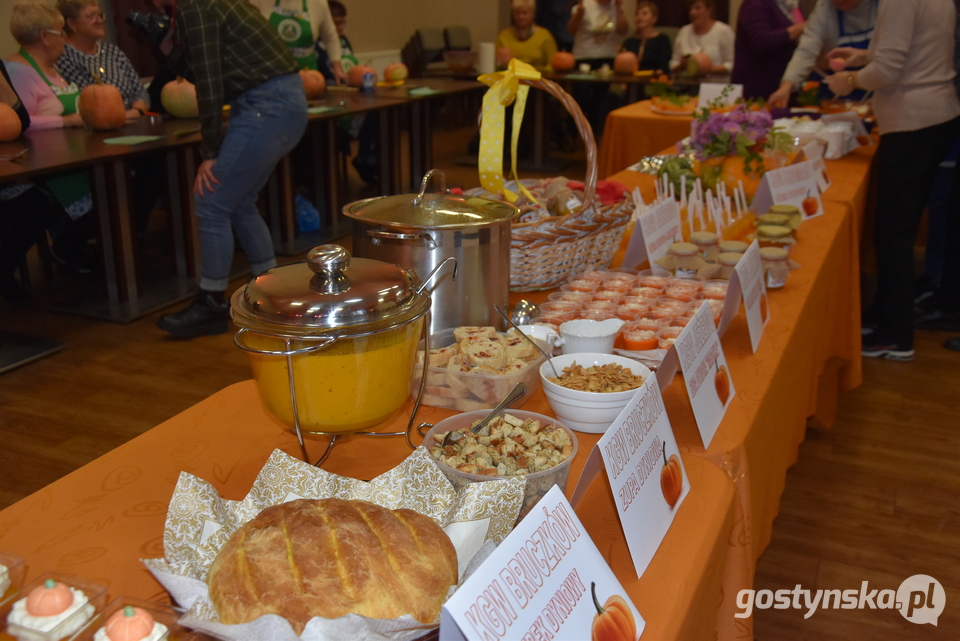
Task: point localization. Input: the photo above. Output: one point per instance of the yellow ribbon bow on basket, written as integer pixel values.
(505, 88)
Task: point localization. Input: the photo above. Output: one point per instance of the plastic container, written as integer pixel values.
(638, 337)
(164, 619)
(49, 587)
(12, 571)
(716, 289)
(538, 483)
(465, 391)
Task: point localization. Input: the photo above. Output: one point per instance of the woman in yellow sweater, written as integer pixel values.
(524, 40)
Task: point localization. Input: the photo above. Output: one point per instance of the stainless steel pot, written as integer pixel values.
(418, 232)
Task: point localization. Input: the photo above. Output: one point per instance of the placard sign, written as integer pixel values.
(813, 150)
(541, 583)
(748, 273)
(646, 474)
(724, 93)
(791, 185)
(656, 229)
(705, 372)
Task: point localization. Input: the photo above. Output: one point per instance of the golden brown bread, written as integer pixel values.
(331, 557)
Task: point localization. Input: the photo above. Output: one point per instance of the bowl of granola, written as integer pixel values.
(592, 389)
(516, 443)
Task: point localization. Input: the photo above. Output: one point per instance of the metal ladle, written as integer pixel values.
(529, 340)
(515, 394)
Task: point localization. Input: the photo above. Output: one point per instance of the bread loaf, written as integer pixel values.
(331, 557)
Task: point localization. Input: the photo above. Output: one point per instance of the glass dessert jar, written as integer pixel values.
(708, 244)
(775, 236)
(727, 262)
(776, 266)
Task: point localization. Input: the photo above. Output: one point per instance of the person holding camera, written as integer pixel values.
(87, 59)
(234, 57)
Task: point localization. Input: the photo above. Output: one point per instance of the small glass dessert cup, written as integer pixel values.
(581, 285)
(576, 297)
(638, 336)
(131, 619)
(12, 570)
(667, 336)
(716, 289)
(611, 295)
(655, 278)
(682, 289)
(54, 607)
(647, 292)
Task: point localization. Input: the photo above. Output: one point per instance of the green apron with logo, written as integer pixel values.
(295, 30)
(72, 189)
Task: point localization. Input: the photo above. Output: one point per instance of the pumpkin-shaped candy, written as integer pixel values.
(562, 61)
(614, 621)
(101, 107)
(9, 123)
(314, 84)
(49, 599)
(129, 624)
(179, 98)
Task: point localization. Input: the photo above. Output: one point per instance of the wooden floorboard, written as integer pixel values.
(874, 498)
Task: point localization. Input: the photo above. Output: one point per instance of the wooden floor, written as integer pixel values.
(876, 498)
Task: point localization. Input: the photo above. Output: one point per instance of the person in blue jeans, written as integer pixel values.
(235, 58)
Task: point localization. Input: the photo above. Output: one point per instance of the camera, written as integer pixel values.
(153, 26)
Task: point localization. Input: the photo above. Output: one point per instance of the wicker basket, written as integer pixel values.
(545, 253)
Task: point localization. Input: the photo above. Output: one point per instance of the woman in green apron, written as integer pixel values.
(52, 103)
(300, 24)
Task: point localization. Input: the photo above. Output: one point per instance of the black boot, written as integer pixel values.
(209, 313)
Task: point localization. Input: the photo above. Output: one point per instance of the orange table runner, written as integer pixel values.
(633, 132)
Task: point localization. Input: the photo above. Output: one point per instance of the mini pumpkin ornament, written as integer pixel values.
(613, 621)
(101, 107)
(810, 205)
(671, 478)
(314, 84)
(179, 98)
(721, 380)
(129, 624)
(10, 128)
(562, 61)
(49, 599)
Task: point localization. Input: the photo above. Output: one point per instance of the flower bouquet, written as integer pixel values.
(736, 147)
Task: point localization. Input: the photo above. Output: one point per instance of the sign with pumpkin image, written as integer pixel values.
(795, 185)
(705, 372)
(546, 580)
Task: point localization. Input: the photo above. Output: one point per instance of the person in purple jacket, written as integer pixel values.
(767, 34)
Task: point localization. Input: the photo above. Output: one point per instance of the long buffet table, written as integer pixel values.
(98, 521)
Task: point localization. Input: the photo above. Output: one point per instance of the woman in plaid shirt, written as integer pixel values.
(234, 57)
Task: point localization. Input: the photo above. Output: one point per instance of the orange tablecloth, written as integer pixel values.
(98, 521)
(633, 132)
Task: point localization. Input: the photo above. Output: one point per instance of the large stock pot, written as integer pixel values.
(420, 231)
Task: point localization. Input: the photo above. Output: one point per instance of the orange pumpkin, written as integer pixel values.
(671, 478)
(355, 77)
(721, 380)
(101, 107)
(314, 84)
(9, 123)
(49, 599)
(179, 98)
(129, 624)
(614, 621)
(626, 62)
(698, 64)
(395, 72)
(563, 61)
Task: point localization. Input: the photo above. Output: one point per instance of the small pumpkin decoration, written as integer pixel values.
(355, 77)
(810, 205)
(10, 128)
(49, 599)
(314, 84)
(721, 380)
(129, 624)
(563, 61)
(179, 98)
(101, 107)
(626, 62)
(395, 72)
(671, 478)
(613, 621)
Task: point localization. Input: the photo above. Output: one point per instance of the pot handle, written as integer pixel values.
(378, 235)
(430, 276)
(238, 341)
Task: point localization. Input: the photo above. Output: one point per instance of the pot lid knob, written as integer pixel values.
(329, 260)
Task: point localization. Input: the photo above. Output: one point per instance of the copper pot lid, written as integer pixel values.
(330, 293)
(431, 211)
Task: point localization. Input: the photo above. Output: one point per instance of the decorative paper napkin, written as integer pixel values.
(199, 523)
(131, 140)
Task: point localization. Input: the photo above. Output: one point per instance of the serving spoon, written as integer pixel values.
(515, 394)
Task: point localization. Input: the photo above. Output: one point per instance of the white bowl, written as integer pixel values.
(588, 411)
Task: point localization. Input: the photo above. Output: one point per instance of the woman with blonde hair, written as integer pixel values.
(87, 59)
(525, 40)
(51, 101)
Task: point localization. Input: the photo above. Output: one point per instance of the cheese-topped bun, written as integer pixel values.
(331, 557)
